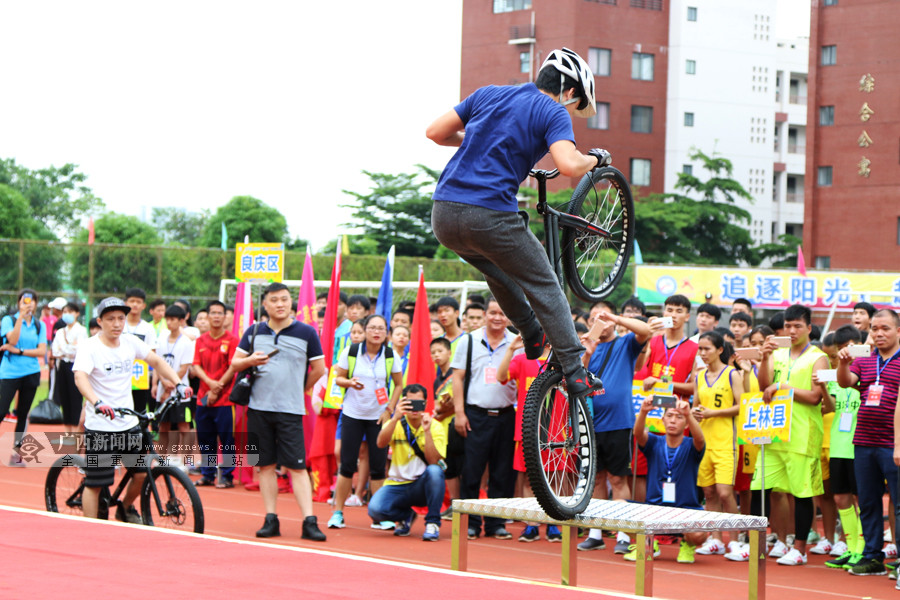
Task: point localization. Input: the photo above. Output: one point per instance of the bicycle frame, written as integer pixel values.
(554, 220)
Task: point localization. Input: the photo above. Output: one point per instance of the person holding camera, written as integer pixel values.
(24, 340)
(416, 478)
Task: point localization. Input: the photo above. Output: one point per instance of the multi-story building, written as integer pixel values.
(852, 188)
(672, 76)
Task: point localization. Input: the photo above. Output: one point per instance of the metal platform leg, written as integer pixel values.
(569, 555)
(757, 579)
(643, 577)
(459, 557)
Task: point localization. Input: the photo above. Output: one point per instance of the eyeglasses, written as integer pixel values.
(377, 328)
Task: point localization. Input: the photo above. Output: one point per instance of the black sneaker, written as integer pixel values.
(270, 527)
(582, 382)
(591, 544)
(534, 345)
(473, 533)
(129, 515)
(500, 534)
(868, 566)
(402, 530)
(311, 530)
(447, 515)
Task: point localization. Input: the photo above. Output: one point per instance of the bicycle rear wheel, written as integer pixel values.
(175, 504)
(64, 485)
(559, 455)
(594, 264)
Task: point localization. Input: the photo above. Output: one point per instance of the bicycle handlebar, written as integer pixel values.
(175, 398)
(542, 174)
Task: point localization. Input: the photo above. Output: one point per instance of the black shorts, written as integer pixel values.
(179, 412)
(614, 452)
(101, 448)
(843, 477)
(280, 438)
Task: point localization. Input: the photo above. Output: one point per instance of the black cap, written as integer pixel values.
(111, 303)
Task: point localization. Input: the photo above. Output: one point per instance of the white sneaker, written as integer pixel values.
(353, 500)
(890, 550)
(823, 546)
(778, 550)
(738, 553)
(711, 546)
(792, 559)
(887, 535)
(838, 549)
(734, 545)
(789, 540)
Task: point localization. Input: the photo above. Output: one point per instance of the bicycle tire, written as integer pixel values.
(559, 459)
(177, 495)
(595, 265)
(63, 486)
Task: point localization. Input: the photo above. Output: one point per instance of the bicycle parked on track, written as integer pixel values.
(168, 496)
(591, 256)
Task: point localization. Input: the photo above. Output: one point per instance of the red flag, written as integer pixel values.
(243, 318)
(306, 301)
(420, 367)
(91, 231)
(801, 262)
(331, 310)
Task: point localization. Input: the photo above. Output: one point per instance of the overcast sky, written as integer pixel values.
(190, 103)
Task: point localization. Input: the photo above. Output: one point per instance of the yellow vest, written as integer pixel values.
(719, 432)
(807, 428)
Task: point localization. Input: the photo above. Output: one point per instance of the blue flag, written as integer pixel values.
(638, 259)
(385, 303)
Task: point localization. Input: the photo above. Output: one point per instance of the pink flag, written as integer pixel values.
(306, 302)
(91, 231)
(801, 262)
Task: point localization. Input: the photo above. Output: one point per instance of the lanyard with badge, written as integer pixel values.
(664, 376)
(846, 419)
(380, 392)
(490, 371)
(668, 486)
(792, 363)
(873, 398)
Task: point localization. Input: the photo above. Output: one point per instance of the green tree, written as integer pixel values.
(397, 212)
(57, 196)
(41, 263)
(702, 225)
(179, 226)
(782, 253)
(245, 216)
(115, 268)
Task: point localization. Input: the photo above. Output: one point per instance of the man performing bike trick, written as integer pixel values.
(502, 132)
(103, 368)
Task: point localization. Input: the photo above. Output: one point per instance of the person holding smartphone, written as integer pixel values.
(418, 444)
(24, 340)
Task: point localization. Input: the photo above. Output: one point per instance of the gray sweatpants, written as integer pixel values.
(516, 268)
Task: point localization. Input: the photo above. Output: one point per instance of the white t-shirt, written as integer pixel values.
(363, 404)
(66, 340)
(177, 353)
(144, 331)
(110, 371)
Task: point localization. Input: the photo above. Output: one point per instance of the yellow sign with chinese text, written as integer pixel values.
(761, 423)
(638, 395)
(259, 262)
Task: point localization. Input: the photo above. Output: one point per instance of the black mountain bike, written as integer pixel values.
(590, 256)
(168, 496)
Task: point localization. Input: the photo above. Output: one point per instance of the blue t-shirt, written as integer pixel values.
(508, 130)
(612, 407)
(685, 461)
(31, 334)
(341, 339)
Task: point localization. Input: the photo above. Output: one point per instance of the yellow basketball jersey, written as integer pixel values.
(719, 432)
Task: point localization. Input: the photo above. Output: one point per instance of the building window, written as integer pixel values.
(642, 66)
(647, 4)
(823, 176)
(525, 62)
(829, 55)
(688, 119)
(691, 67)
(830, 2)
(642, 119)
(598, 60)
(823, 262)
(502, 6)
(601, 119)
(687, 169)
(640, 171)
(692, 13)
(826, 115)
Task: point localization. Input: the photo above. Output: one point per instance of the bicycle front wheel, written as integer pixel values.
(595, 264)
(559, 454)
(170, 500)
(64, 485)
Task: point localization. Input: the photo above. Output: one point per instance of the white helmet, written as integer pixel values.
(569, 63)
